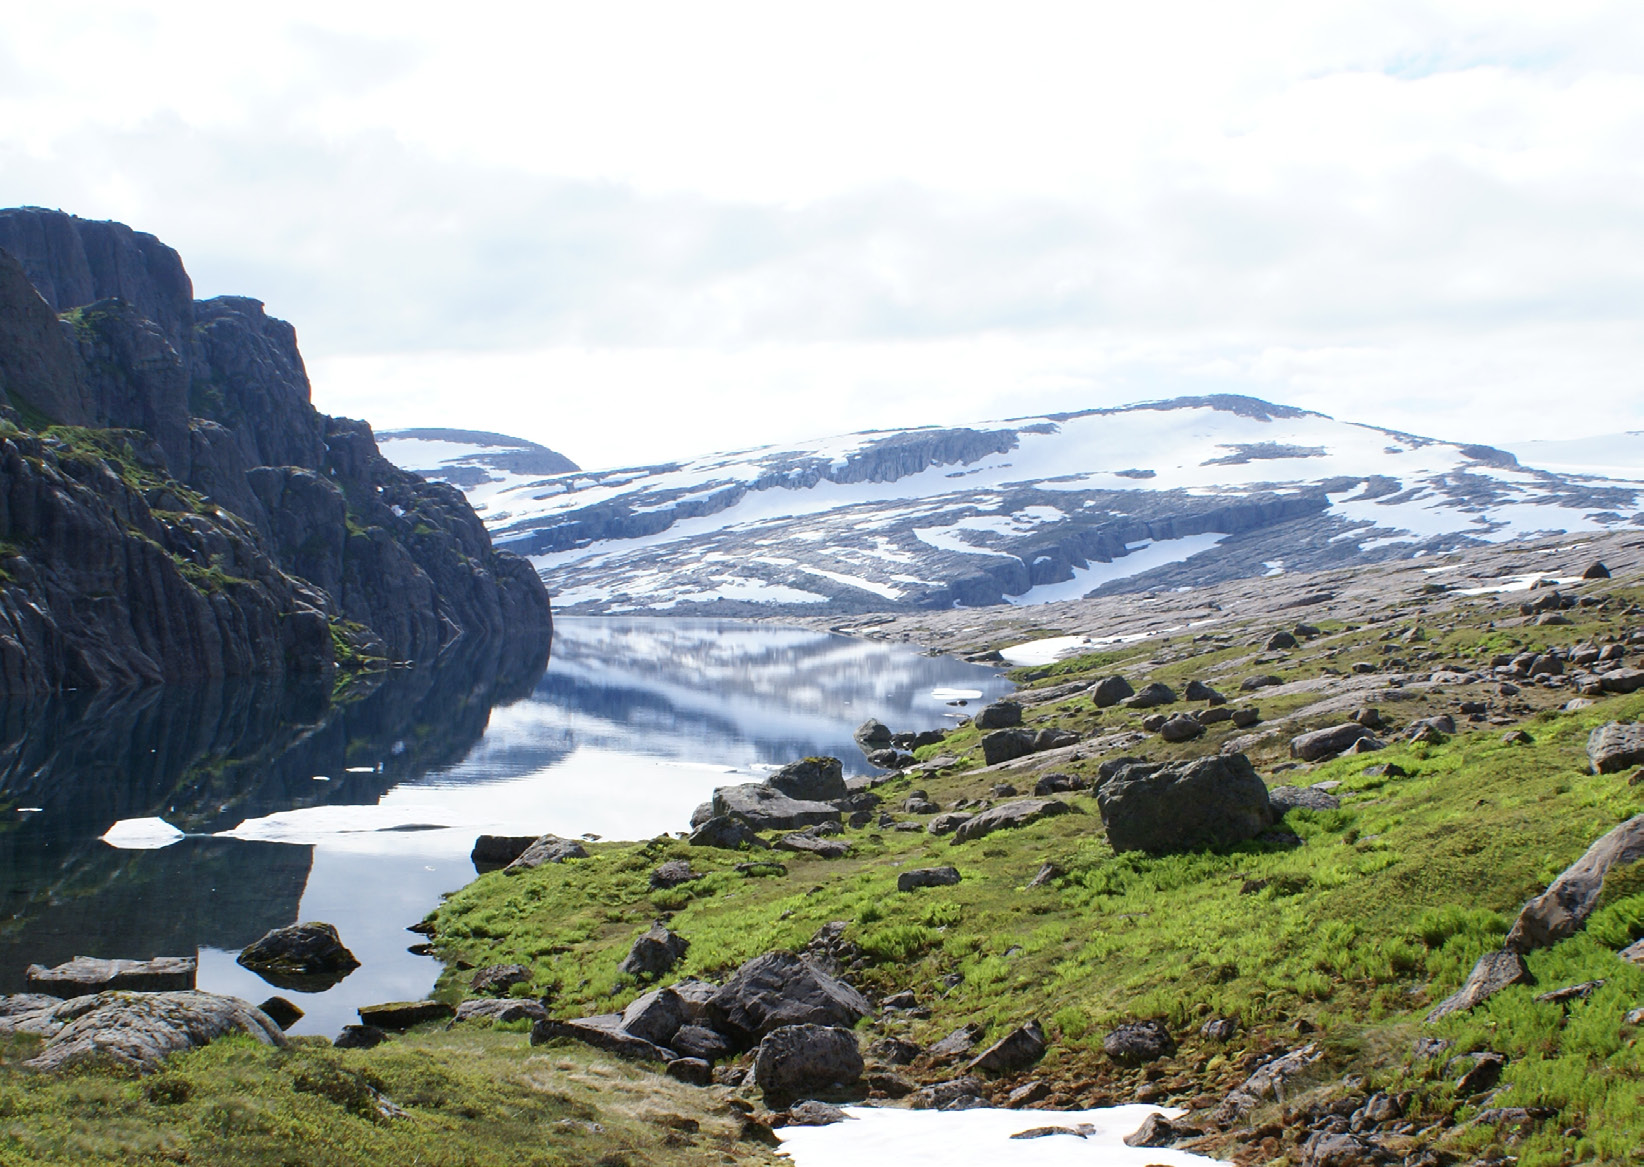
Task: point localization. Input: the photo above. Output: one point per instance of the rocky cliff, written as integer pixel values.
(173, 507)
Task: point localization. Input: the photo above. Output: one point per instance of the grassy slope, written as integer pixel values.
(1358, 932)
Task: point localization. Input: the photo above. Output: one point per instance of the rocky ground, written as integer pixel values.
(1344, 866)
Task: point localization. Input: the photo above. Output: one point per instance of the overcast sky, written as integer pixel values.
(640, 231)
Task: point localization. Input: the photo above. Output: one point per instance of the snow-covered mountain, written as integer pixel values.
(480, 464)
(1159, 495)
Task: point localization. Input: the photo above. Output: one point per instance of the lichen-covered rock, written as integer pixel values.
(802, 1059)
(1206, 802)
(780, 988)
(300, 956)
(1562, 909)
(140, 1030)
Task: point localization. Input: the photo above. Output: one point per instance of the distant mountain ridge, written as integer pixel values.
(1159, 494)
(173, 507)
(470, 459)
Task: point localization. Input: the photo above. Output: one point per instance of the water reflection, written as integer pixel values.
(634, 723)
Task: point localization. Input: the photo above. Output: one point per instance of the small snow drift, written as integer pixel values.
(1031, 510)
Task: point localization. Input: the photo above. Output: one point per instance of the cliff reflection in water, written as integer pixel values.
(205, 758)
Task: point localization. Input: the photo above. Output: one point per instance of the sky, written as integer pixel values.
(637, 232)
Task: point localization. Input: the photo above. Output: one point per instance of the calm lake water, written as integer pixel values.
(362, 814)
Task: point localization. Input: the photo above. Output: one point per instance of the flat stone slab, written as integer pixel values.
(1009, 814)
(404, 1014)
(492, 1009)
(140, 1030)
(602, 1031)
(89, 974)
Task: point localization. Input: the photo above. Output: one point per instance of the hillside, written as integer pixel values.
(1145, 497)
(173, 507)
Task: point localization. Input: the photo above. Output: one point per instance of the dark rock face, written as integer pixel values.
(225, 526)
(927, 877)
(780, 989)
(656, 1016)
(801, 1059)
(999, 715)
(404, 1014)
(1207, 802)
(811, 780)
(1004, 745)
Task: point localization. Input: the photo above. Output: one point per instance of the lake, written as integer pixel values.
(362, 812)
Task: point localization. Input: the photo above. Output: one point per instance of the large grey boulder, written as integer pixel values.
(655, 952)
(493, 851)
(1109, 691)
(804, 1059)
(87, 974)
(1006, 745)
(602, 1031)
(871, 735)
(1563, 908)
(811, 780)
(1326, 743)
(1184, 806)
(927, 877)
(1616, 746)
(656, 1016)
(140, 1030)
(505, 1009)
(764, 808)
(1136, 1042)
(781, 988)
(1493, 973)
(1007, 815)
(1017, 1050)
(726, 832)
(1284, 799)
(300, 956)
(547, 849)
(1151, 696)
(1622, 680)
(1182, 727)
(999, 715)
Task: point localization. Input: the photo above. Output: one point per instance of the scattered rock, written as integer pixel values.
(1081, 1130)
(673, 873)
(396, 1015)
(1047, 872)
(1280, 640)
(496, 979)
(761, 867)
(140, 1030)
(872, 735)
(1285, 799)
(1327, 1148)
(1027, 1093)
(1157, 1131)
(814, 1113)
(1326, 743)
(1260, 681)
(1199, 691)
(1005, 745)
(1570, 993)
(1206, 802)
(1596, 570)
(1219, 1029)
(822, 848)
(946, 824)
(602, 1031)
(894, 1051)
(1109, 691)
(655, 952)
(810, 780)
(765, 808)
(999, 715)
(547, 849)
(655, 1016)
(1563, 908)
(958, 1043)
(1017, 1050)
(302, 957)
(927, 877)
(800, 1059)
(1183, 727)
(281, 1012)
(1493, 972)
(1136, 1042)
(691, 1071)
(1517, 737)
(504, 1009)
(1246, 716)
(1009, 815)
(1616, 746)
(1385, 770)
(780, 988)
(1633, 953)
(1152, 696)
(85, 975)
(1482, 1074)
(728, 833)
(958, 1094)
(359, 1037)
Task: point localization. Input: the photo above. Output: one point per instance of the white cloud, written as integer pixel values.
(745, 222)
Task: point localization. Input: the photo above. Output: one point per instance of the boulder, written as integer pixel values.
(281, 1012)
(1260, 681)
(1181, 728)
(1017, 1050)
(602, 1031)
(1563, 908)
(496, 979)
(962, 1093)
(1616, 746)
(781, 988)
(1004, 745)
(1326, 1148)
(822, 848)
(814, 1113)
(85, 975)
(1246, 716)
(1136, 1042)
(1280, 640)
(404, 1014)
(691, 1071)
(359, 1037)
(999, 715)
(1109, 691)
(802, 1059)
(655, 952)
(810, 780)
(958, 1043)
(493, 851)
(546, 849)
(872, 734)
(1596, 570)
(698, 1041)
(1284, 799)
(726, 832)
(1049, 784)
(1219, 1029)
(1158, 1131)
(1326, 743)
(1493, 973)
(656, 1016)
(764, 808)
(1152, 695)
(1622, 680)
(1053, 739)
(301, 957)
(1009, 814)
(927, 877)
(140, 1030)
(694, 996)
(506, 1009)
(946, 824)
(1199, 691)
(1206, 802)
(672, 874)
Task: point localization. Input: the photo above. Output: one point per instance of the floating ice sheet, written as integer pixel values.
(141, 834)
